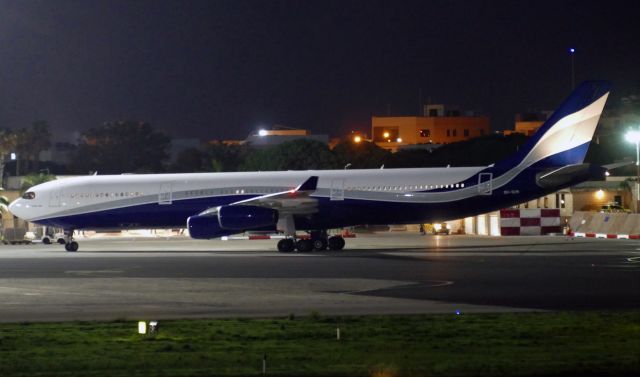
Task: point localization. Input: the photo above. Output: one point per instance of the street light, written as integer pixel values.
(572, 51)
(634, 137)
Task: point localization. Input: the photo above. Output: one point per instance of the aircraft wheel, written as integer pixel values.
(46, 241)
(320, 244)
(286, 245)
(304, 245)
(71, 246)
(336, 243)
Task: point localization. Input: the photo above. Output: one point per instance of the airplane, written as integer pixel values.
(213, 205)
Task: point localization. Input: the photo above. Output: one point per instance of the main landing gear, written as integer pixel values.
(69, 243)
(318, 241)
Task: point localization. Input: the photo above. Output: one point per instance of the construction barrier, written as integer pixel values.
(605, 225)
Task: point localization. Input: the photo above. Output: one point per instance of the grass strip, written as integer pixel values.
(522, 344)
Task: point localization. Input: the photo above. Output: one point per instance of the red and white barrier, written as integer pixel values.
(529, 222)
(603, 235)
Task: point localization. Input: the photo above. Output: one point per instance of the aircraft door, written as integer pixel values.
(165, 196)
(485, 185)
(54, 198)
(337, 189)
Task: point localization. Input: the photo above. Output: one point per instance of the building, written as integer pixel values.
(280, 134)
(440, 124)
(528, 123)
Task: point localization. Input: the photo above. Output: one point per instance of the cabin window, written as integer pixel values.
(29, 195)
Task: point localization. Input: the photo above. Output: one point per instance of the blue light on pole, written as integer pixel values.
(572, 52)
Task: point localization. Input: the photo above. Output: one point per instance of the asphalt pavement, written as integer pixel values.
(383, 273)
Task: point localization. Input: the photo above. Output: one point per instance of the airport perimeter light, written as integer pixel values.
(633, 136)
(572, 52)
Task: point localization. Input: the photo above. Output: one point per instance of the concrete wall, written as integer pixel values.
(605, 223)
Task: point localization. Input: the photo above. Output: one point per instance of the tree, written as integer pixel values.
(363, 155)
(31, 180)
(4, 204)
(7, 145)
(291, 155)
(189, 160)
(479, 151)
(29, 143)
(122, 147)
(223, 157)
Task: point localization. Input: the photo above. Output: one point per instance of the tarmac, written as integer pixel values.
(381, 273)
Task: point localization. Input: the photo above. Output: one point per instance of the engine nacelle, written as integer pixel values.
(206, 227)
(246, 217)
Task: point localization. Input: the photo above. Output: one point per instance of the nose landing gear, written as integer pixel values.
(69, 243)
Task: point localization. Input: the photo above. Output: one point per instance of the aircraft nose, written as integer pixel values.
(17, 208)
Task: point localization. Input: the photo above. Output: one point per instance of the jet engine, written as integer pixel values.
(206, 227)
(230, 220)
(246, 217)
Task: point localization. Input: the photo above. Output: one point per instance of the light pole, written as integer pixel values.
(634, 137)
(572, 52)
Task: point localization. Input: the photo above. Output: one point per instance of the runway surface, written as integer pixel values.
(386, 273)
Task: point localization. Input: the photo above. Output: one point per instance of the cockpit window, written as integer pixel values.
(29, 195)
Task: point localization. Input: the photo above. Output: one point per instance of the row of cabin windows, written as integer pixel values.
(83, 195)
(86, 195)
(404, 188)
(232, 191)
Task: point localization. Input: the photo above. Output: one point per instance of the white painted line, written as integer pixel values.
(579, 234)
(601, 235)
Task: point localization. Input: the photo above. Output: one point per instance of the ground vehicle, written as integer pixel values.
(441, 228)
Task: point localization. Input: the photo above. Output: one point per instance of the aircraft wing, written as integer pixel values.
(297, 201)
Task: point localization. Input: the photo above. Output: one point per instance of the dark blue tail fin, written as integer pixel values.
(564, 138)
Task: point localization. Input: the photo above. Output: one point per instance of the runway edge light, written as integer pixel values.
(142, 327)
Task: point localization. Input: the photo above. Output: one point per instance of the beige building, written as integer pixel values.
(439, 126)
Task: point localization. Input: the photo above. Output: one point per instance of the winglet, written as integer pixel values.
(308, 185)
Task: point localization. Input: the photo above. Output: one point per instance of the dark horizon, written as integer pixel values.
(221, 69)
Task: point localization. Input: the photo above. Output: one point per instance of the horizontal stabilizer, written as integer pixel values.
(620, 164)
(567, 175)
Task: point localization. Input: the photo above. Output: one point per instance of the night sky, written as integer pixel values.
(220, 69)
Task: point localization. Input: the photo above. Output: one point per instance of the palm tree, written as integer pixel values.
(8, 140)
(4, 208)
(35, 179)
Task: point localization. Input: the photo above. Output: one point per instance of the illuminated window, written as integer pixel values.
(425, 133)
